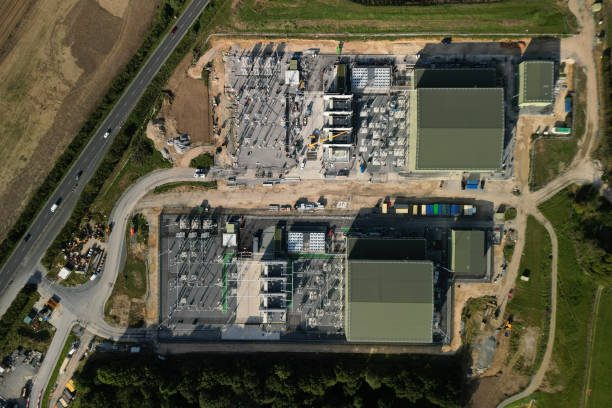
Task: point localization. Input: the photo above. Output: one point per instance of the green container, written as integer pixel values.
(436, 209)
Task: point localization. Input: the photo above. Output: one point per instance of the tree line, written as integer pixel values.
(592, 226)
(270, 380)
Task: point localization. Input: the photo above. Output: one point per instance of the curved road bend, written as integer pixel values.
(15, 272)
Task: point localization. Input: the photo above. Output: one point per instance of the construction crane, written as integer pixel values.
(312, 145)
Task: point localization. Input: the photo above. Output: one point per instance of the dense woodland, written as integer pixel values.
(270, 380)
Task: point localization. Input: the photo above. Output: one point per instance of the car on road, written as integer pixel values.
(107, 133)
(173, 30)
(78, 175)
(27, 237)
(57, 203)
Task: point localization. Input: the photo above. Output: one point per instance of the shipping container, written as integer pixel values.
(430, 209)
(423, 209)
(435, 209)
(415, 210)
(568, 104)
(472, 186)
(455, 209)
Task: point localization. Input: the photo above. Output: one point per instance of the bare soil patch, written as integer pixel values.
(67, 52)
(190, 105)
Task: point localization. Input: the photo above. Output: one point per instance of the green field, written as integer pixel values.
(333, 16)
(601, 369)
(574, 304)
(531, 300)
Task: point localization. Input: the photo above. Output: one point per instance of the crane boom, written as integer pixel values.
(327, 138)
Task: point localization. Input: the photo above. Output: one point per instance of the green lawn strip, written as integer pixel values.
(530, 303)
(45, 399)
(193, 186)
(575, 296)
(345, 16)
(601, 369)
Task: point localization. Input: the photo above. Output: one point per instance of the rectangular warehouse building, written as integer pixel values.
(457, 129)
(469, 253)
(389, 301)
(536, 83)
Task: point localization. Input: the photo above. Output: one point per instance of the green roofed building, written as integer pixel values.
(454, 78)
(469, 253)
(389, 301)
(536, 83)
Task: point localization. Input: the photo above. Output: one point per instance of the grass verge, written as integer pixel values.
(187, 185)
(530, 303)
(601, 370)
(45, 398)
(345, 16)
(574, 302)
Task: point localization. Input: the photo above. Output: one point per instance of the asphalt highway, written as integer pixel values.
(47, 224)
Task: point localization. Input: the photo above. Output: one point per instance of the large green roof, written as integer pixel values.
(468, 256)
(536, 82)
(386, 248)
(389, 301)
(454, 78)
(459, 128)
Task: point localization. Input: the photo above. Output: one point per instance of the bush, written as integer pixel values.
(510, 213)
(203, 161)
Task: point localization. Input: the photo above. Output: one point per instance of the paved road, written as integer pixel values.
(46, 225)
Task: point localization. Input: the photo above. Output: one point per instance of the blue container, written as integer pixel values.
(568, 104)
(472, 186)
(430, 209)
(455, 209)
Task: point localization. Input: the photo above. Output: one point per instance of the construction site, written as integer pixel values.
(258, 276)
(309, 114)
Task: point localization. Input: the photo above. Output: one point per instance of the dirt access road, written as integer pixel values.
(66, 53)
